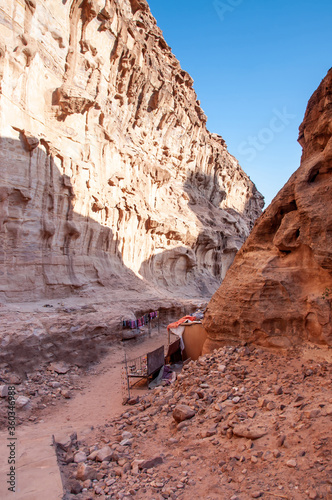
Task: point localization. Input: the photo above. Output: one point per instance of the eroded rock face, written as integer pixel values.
(107, 170)
(278, 291)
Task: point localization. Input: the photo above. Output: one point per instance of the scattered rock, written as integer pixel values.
(80, 457)
(66, 394)
(150, 464)
(59, 367)
(22, 402)
(64, 442)
(183, 412)
(104, 454)
(3, 391)
(84, 472)
(74, 486)
(249, 432)
(14, 379)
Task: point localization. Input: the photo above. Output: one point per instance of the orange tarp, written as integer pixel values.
(180, 321)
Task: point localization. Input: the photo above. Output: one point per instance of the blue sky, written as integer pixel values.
(255, 64)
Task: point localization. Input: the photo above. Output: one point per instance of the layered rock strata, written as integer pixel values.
(109, 177)
(278, 292)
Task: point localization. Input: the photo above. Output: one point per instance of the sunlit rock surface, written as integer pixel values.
(108, 175)
(278, 291)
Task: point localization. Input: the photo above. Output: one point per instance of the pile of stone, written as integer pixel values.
(238, 424)
(38, 390)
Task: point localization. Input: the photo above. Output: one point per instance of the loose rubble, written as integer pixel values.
(40, 390)
(258, 428)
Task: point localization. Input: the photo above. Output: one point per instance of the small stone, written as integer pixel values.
(236, 399)
(126, 442)
(66, 394)
(104, 454)
(80, 457)
(241, 430)
(22, 402)
(271, 405)
(93, 455)
(208, 433)
(126, 435)
(256, 494)
(69, 457)
(313, 494)
(311, 413)
(149, 464)
(55, 385)
(157, 484)
(182, 425)
(133, 401)
(183, 412)
(221, 368)
(85, 473)
(74, 486)
(229, 433)
(277, 390)
(262, 402)
(135, 465)
(291, 463)
(254, 459)
(64, 442)
(13, 379)
(59, 367)
(3, 391)
(109, 482)
(281, 440)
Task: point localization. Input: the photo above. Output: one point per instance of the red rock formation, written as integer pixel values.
(278, 292)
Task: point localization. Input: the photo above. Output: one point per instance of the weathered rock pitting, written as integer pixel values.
(278, 291)
(108, 173)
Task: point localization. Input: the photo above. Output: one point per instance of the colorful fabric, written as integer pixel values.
(144, 320)
(180, 321)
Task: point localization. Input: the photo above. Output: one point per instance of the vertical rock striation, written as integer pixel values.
(278, 291)
(108, 172)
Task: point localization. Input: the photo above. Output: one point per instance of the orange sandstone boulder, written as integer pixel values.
(278, 292)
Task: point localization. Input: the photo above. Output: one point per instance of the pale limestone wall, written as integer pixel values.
(107, 170)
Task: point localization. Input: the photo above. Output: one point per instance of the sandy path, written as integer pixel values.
(37, 474)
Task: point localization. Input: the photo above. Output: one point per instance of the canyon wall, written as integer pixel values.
(109, 177)
(278, 292)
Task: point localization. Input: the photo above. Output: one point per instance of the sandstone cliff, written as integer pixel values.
(278, 291)
(109, 177)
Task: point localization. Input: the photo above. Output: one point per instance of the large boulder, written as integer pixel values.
(278, 291)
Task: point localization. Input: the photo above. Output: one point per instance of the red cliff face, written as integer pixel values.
(278, 291)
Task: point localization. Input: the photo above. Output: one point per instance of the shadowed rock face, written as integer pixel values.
(106, 162)
(278, 292)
